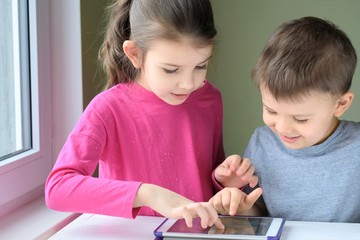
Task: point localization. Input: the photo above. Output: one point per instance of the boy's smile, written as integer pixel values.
(300, 123)
(289, 139)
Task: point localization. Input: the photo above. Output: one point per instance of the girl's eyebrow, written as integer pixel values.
(206, 59)
(177, 66)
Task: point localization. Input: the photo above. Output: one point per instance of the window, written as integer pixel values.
(15, 134)
(55, 100)
(25, 150)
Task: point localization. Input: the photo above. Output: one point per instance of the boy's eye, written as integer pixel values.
(301, 121)
(201, 67)
(270, 111)
(170, 71)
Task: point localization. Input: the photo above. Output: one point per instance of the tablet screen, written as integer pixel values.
(233, 226)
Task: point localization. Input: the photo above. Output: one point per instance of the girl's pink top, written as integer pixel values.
(137, 138)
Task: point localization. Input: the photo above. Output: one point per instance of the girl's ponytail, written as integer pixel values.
(116, 65)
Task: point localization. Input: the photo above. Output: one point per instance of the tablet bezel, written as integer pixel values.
(274, 230)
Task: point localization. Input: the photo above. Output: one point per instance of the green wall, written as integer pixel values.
(243, 28)
(92, 28)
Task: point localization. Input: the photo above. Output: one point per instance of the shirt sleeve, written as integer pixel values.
(71, 186)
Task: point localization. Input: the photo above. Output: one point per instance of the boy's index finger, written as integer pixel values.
(252, 197)
(234, 205)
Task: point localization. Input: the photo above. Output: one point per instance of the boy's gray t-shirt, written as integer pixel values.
(318, 183)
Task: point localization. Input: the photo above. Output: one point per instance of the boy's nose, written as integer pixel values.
(283, 126)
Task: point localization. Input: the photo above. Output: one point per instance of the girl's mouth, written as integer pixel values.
(180, 96)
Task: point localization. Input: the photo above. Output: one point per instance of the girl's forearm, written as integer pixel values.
(159, 199)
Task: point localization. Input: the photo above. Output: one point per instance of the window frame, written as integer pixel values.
(56, 98)
(27, 171)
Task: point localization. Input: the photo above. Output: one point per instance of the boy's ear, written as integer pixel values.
(343, 103)
(133, 53)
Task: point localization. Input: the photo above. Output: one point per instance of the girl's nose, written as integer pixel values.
(187, 83)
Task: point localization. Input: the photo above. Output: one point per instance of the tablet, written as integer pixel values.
(236, 227)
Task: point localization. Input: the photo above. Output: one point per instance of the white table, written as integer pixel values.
(91, 227)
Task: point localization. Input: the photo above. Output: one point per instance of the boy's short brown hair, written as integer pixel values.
(303, 55)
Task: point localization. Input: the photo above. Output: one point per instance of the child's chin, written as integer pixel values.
(293, 146)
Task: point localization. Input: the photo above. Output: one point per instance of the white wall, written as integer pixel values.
(66, 69)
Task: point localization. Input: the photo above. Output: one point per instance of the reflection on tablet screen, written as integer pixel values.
(233, 225)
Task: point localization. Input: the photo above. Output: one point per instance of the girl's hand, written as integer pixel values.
(231, 201)
(173, 205)
(204, 210)
(236, 172)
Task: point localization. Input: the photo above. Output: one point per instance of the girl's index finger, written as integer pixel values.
(243, 166)
(218, 223)
(235, 164)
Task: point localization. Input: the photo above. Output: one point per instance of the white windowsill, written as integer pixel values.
(34, 221)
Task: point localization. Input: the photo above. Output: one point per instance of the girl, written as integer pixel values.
(156, 132)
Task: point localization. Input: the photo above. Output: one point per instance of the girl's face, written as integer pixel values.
(172, 70)
(302, 123)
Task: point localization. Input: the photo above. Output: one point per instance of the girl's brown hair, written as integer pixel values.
(143, 21)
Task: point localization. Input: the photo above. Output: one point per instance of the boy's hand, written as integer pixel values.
(236, 172)
(231, 201)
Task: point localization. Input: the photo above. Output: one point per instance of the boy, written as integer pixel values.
(307, 160)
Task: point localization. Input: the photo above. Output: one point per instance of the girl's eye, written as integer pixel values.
(203, 67)
(302, 121)
(170, 71)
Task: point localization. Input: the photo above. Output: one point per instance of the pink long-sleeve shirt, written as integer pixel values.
(137, 138)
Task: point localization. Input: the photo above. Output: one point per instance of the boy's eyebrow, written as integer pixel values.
(174, 65)
(266, 106)
(302, 115)
(294, 116)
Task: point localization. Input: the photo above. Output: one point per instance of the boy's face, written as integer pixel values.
(172, 70)
(302, 123)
